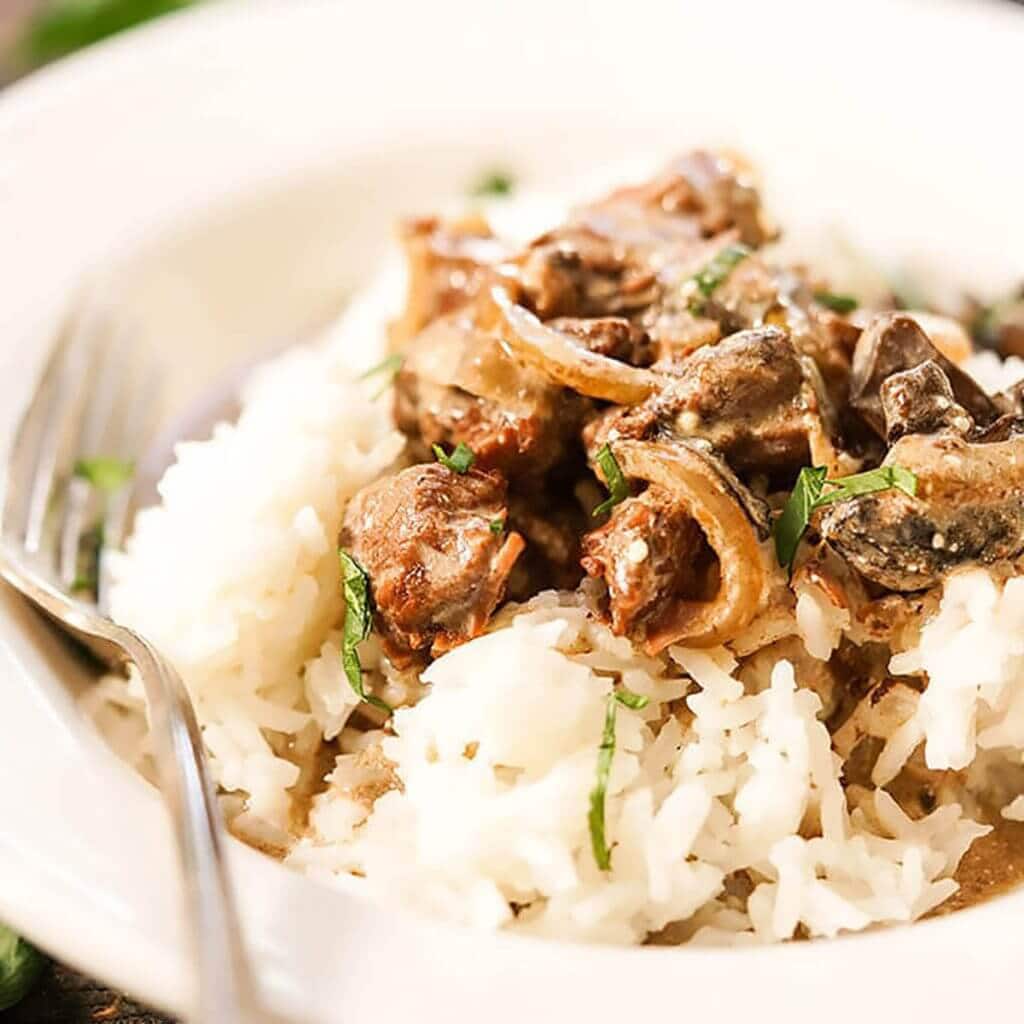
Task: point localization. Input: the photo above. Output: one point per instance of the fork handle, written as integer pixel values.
(226, 992)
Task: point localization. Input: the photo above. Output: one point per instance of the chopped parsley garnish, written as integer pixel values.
(605, 754)
(460, 461)
(105, 472)
(387, 369)
(497, 526)
(810, 494)
(618, 488)
(87, 569)
(885, 478)
(495, 182)
(837, 302)
(20, 965)
(355, 585)
(108, 475)
(718, 268)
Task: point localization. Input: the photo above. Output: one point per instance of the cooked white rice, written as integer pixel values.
(725, 809)
(234, 575)
(497, 764)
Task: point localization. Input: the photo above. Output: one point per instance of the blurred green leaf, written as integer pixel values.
(20, 965)
(61, 27)
(496, 182)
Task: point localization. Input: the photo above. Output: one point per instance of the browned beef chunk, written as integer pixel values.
(611, 336)
(605, 260)
(895, 342)
(500, 439)
(434, 545)
(575, 272)
(552, 526)
(457, 384)
(448, 264)
(920, 401)
(699, 195)
(649, 554)
(747, 395)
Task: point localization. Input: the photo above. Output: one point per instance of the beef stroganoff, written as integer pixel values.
(647, 589)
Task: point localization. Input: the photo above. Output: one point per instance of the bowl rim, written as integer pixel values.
(44, 104)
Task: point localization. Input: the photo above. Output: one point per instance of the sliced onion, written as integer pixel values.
(564, 360)
(453, 352)
(734, 523)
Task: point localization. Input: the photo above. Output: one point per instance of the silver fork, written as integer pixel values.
(96, 398)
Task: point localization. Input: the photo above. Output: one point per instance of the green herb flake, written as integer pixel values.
(460, 461)
(497, 526)
(387, 369)
(355, 586)
(885, 478)
(20, 966)
(615, 481)
(105, 472)
(87, 566)
(716, 271)
(796, 513)
(837, 302)
(605, 754)
(495, 182)
(810, 494)
(633, 701)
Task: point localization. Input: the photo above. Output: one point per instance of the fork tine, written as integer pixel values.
(24, 454)
(117, 423)
(42, 443)
(81, 507)
(59, 431)
(95, 398)
(136, 430)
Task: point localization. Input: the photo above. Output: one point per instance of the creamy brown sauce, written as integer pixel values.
(993, 865)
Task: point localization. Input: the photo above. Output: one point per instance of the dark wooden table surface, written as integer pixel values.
(63, 997)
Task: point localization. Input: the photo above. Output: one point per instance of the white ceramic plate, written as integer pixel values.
(233, 174)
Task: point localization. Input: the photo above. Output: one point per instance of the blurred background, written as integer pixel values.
(35, 32)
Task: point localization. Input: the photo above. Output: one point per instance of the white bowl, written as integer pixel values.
(233, 173)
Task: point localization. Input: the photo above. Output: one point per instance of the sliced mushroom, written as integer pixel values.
(751, 396)
(757, 293)
(920, 401)
(734, 524)
(1003, 429)
(949, 336)
(968, 509)
(895, 342)
(1014, 397)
